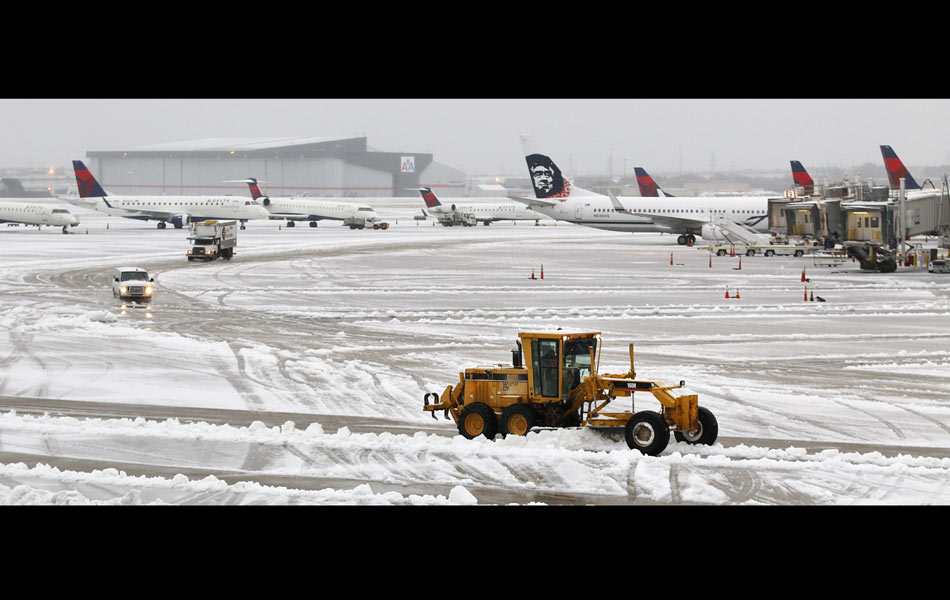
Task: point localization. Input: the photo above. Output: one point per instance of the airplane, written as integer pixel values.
(32, 213)
(802, 178)
(558, 198)
(648, 187)
(303, 208)
(896, 170)
(177, 210)
(485, 213)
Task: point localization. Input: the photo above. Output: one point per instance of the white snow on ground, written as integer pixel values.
(333, 322)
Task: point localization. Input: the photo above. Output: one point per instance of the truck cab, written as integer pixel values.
(132, 283)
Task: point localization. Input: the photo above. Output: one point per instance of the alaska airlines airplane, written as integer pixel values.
(485, 213)
(303, 208)
(31, 213)
(558, 198)
(177, 210)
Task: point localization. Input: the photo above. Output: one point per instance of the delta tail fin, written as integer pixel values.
(802, 178)
(648, 187)
(429, 197)
(88, 186)
(896, 170)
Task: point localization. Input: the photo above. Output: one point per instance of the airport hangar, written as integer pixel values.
(320, 167)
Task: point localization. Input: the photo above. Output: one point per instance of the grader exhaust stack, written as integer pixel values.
(554, 382)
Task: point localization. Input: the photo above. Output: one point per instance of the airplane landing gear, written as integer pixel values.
(313, 223)
(162, 225)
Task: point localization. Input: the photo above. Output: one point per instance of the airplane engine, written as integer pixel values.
(265, 201)
(179, 221)
(711, 233)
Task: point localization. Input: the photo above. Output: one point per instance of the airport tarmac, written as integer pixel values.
(317, 330)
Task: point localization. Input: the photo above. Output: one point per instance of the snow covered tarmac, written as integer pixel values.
(840, 402)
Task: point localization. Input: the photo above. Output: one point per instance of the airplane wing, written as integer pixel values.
(533, 201)
(664, 220)
(291, 216)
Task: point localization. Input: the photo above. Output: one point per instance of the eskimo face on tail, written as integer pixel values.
(546, 178)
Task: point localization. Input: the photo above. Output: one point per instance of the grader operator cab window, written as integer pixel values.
(545, 359)
(576, 362)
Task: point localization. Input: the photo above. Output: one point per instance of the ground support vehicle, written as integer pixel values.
(211, 239)
(872, 257)
(769, 250)
(939, 266)
(456, 218)
(559, 386)
(132, 283)
(359, 222)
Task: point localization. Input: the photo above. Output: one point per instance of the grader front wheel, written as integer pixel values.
(478, 419)
(647, 432)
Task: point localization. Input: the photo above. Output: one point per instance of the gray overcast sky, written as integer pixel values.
(480, 136)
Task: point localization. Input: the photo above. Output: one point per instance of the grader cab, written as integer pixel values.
(553, 381)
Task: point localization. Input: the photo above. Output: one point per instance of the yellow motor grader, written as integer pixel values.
(553, 382)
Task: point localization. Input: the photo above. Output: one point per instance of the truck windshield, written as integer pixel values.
(203, 241)
(133, 276)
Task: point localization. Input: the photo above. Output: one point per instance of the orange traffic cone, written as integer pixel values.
(737, 294)
(532, 274)
(803, 273)
(740, 263)
(732, 250)
(812, 299)
(542, 271)
(727, 292)
(710, 261)
(806, 293)
(671, 259)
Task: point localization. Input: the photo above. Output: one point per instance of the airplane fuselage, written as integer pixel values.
(314, 209)
(487, 211)
(679, 214)
(166, 208)
(31, 213)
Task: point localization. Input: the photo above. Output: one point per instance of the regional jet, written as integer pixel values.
(32, 213)
(558, 198)
(177, 210)
(482, 212)
(303, 208)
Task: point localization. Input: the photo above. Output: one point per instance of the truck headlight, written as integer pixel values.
(123, 289)
(148, 290)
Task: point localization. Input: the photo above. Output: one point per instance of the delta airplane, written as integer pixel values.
(648, 187)
(302, 208)
(485, 213)
(177, 210)
(558, 198)
(31, 213)
(896, 170)
(801, 177)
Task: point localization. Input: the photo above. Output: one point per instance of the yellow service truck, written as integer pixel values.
(554, 382)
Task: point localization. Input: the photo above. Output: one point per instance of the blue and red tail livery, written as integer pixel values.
(648, 187)
(896, 170)
(255, 189)
(88, 186)
(802, 178)
(429, 197)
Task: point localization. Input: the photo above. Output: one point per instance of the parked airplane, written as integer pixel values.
(648, 187)
(558, 198)
(303, 208)
(32, 213)
(177, 210)
(896, 170)
(482, 212)
(802, 178)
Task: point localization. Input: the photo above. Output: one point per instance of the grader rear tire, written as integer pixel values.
(517, 419)
(478, 419)
(706, 434)
(647, 432)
